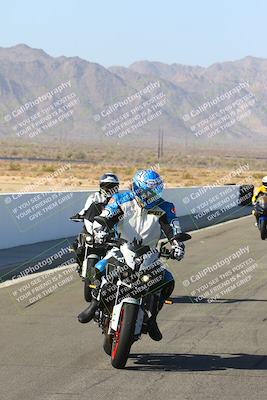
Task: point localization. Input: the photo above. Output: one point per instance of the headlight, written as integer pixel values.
(145, 278)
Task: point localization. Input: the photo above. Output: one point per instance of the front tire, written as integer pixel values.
(124, 336)
(262, 226)
(107, 346)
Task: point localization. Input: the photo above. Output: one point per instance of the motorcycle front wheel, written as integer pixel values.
(107, 345)
(262, 227)
(124, 336)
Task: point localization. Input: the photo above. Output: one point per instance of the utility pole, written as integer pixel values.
(160, 143)
(162, 135)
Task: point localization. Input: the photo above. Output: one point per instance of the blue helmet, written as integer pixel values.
(147, 188)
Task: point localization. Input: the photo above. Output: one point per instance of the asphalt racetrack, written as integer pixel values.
(214, 335)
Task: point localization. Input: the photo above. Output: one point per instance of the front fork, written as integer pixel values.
(89, 263)
(116, 312)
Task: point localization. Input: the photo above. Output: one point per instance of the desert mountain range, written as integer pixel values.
(131, 103)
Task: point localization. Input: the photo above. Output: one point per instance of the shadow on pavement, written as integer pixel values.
(197, 362)
(200, 300)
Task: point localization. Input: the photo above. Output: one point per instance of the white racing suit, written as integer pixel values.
(94, 205)
(133, 222)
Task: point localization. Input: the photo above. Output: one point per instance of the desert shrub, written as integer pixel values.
(48, 168)
(80, 155)
(14, 167)
(258, 175)
(187, 175)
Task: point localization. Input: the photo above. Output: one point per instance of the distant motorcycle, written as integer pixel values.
(127, 295)
(261, 210)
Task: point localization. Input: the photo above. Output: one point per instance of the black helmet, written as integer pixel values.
(109, 184)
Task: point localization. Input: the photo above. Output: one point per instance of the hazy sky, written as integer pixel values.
(119, 32)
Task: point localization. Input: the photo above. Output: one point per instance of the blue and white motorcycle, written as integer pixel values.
(127, 294)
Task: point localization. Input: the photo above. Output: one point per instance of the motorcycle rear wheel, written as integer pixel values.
(124, 336)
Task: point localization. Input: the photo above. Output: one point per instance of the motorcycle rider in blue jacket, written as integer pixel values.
(139, 214)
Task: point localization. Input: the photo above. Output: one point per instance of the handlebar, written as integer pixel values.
(165, 254)
(77, 218)
(182, 237)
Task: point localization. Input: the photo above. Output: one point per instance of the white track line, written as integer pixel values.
(33, 276)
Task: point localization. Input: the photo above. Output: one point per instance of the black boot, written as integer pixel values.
(153, 329)
(88, 314)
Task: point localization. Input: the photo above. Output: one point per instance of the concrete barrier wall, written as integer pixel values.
(37, 217)
(36, 227)
(199, 207)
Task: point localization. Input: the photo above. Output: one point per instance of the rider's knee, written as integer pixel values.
(101, 265)
(169, 285)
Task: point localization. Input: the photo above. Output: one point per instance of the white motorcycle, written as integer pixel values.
(90, 254)
(127, 295)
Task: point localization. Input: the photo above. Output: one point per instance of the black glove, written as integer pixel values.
(77, 218)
